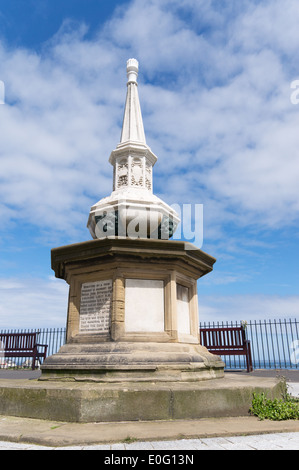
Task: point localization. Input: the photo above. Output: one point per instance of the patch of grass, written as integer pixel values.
(129, 440)
(277, 409)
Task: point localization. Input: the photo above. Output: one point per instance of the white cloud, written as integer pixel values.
(55, 139)
(236, 308)
(33, 303)
(270, 24)
(220, 109)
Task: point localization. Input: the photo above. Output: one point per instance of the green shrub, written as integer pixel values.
(277, 409)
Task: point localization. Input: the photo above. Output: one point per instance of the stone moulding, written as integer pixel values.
(132, 362)
(139, 248)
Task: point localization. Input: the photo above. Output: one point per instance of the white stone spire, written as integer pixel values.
(132, 206)
(132, 129)
(132, 159)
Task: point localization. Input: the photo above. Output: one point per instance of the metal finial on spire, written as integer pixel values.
(132, 70)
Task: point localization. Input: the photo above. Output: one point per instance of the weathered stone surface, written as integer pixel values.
(144, 341)
(99, 402)
(133, 361)
(185, 255)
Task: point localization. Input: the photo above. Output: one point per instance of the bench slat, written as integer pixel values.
(22, 345)
(227, 341)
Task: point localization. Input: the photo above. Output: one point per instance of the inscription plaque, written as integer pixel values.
(95, 307)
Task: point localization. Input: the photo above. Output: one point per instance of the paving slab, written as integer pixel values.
(58, 434)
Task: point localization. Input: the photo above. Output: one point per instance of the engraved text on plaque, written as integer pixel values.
(95, 307)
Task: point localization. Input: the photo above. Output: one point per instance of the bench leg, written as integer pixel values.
(248, 359)
(34, 357)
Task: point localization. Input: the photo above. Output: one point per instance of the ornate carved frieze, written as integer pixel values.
(122, 173)
(137, 172)
(148, 176)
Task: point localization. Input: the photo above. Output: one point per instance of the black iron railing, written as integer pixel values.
(274, 343)
(53, 337)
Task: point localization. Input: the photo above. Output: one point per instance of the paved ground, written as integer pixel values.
(241, 433)
(277, 441)
(291, 375)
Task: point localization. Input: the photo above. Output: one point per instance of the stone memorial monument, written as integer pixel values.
(133, 306)
(132, 349)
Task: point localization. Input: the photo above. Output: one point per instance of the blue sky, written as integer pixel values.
(214, 85)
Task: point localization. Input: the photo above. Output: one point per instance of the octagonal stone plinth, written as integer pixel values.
(133, 312)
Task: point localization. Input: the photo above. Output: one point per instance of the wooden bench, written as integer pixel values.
(230, 341)
(21, 345)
